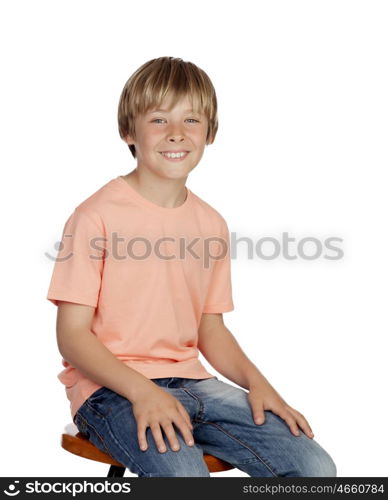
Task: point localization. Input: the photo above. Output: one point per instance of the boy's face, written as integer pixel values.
(178, 130)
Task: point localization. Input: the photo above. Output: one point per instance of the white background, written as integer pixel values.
(301, 148)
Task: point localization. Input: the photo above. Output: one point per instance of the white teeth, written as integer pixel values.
(175, 155)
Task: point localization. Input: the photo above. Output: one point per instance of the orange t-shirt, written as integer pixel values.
(149, 272)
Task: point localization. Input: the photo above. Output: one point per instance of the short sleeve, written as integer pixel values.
(79, 263)
(219, 296)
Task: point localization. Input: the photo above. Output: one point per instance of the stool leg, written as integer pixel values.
(115, 471)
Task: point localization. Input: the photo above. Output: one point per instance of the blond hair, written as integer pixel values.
(150, 84)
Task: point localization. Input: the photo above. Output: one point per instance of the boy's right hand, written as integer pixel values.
(156, 408)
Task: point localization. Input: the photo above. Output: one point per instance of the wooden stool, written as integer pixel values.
(74, 442)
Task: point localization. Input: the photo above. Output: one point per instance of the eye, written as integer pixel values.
(161, 119)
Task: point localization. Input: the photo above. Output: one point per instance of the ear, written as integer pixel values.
(211, 140)
(129, 140)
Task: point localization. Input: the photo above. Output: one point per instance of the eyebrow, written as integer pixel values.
(166, 111)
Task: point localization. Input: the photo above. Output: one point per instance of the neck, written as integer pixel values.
(167, 193)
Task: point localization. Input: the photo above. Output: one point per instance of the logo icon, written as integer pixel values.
(12, 487)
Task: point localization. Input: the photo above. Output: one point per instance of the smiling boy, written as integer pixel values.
(133, 314)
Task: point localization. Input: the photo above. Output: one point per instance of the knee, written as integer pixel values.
(319, 464)
(328, 467)
(181, 472)
(195, 470)
(187, 462)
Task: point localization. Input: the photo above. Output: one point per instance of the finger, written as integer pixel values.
(258, 415)
(304, 425)
(185, 415)
(141, 436)
(291, 421)
(181, 424)
(158, 437)
(170, 433)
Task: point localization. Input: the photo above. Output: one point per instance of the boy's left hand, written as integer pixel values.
(264, 397)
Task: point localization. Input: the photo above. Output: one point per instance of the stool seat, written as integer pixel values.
(76, 443)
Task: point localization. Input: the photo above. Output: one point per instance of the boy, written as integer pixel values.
(141, 283)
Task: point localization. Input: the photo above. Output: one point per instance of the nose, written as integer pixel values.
(175, 134)
(176, 139)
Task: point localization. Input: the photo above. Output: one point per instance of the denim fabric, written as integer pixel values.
(223, 426)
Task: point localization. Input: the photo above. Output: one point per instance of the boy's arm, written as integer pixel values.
(83, 350)
(152, 406)
(223, 352)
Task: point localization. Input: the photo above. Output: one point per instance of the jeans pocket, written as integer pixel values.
(90, 432)
(81, 425)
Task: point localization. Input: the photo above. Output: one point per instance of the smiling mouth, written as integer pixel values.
(174, 157)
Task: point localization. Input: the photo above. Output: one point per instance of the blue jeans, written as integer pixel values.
(223, 426)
